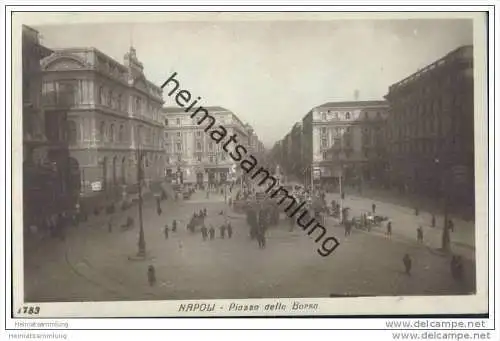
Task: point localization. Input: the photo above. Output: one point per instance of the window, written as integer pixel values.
(348, 116)
(198, 146)
(336, 115)
(211, 159)
(112, 133)
(102, 131)
(324, 143)
(178, 134)
(211, 146)
(71, 133)
(102, 96)
(323, 116)
(167, 159)
(66, 94)
(121, 138)
(178, 121)
(198, 133)
(166, 135)
(137, 105)
(110, 98)
(366, 115)
(325, 155)
(179, 157)
(166, 121)
(179, 147)
(323, 131)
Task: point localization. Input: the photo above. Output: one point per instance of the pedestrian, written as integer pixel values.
(205, 212)
(374, 207)
(457, 267)
(407, 264)
(158, 210)
(389, 228)
(451, 225)
(174, 226)
(222, 229)
(211, 232)
(165, 231)
(204, 233)
(420, 234)
(433, 221)
(229, 231)
(151, 275)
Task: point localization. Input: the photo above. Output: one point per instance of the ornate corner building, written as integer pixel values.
(40, 179)
(347, 139)
(104, 111)
(190, 151)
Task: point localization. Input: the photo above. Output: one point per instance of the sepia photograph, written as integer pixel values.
(260, 164)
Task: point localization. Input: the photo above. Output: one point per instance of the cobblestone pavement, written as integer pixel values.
(92, 264)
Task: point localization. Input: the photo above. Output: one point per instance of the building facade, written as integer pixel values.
(344, 138)
(106, 112)
(40, 178)
(191, 154)
(431, 128)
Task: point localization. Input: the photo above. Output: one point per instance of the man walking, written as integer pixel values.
(212, 232)
(420, 234)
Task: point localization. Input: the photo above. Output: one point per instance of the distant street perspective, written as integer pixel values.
(127, 197)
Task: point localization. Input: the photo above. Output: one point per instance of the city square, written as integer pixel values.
(111, 160)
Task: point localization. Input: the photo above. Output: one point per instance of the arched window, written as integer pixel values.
(121, 138)
(112, 133)
(102, 96)
(110, 98)
(102, 131)
(348, 116)
(71, 132)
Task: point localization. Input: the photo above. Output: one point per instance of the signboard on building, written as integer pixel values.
(96, 186)
(316, 173)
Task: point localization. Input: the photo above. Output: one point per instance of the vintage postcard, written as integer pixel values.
(249, 164)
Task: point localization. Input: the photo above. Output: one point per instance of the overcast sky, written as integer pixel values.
(271, 74)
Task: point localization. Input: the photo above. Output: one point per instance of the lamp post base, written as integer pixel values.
(140, 257)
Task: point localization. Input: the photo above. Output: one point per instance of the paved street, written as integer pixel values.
(405, 223)
(92, 264)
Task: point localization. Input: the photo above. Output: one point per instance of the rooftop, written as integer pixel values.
(440, 62)
(351, 104)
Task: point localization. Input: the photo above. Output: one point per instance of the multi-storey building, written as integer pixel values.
(431, 128)
(40, 179)
(344, 138)
(190, 151)
(108, 112)
(295, 153)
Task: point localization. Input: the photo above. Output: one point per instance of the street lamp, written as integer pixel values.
(445, 237)
(142, 242)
